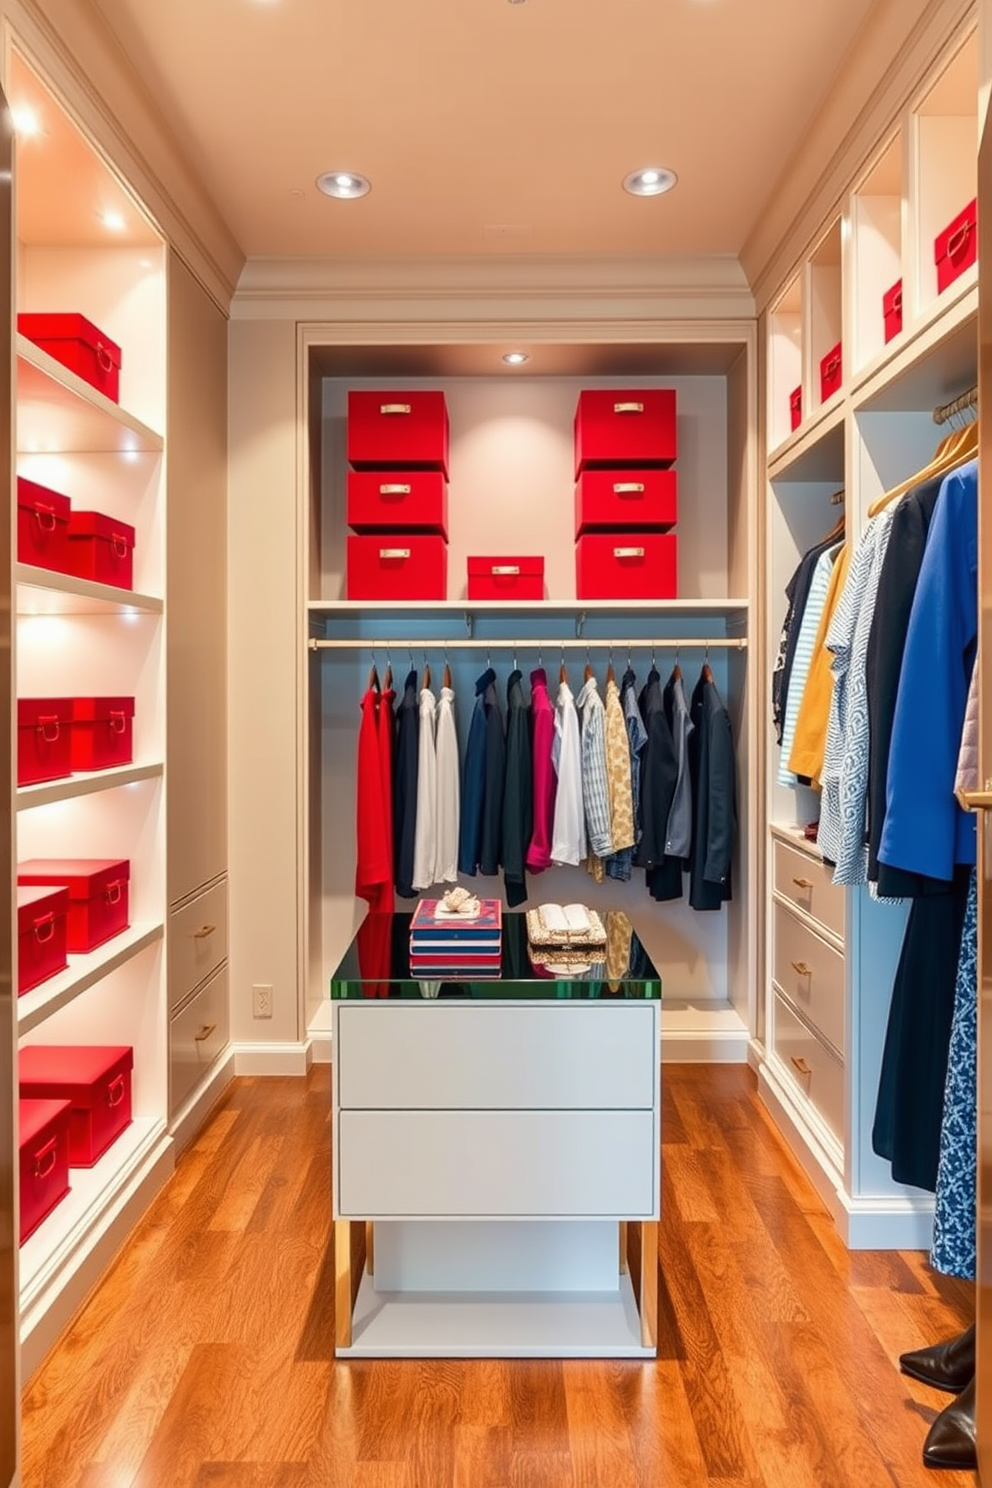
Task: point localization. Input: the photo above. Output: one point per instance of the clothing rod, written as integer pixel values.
(527, 643)
(947, 411)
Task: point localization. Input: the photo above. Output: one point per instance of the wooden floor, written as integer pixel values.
(204, 1359)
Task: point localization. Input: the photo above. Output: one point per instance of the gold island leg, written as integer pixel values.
(649, 1283)
(342, 1283)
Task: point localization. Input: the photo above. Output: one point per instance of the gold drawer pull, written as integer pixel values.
(801, 1065)
(205, 1033)
(802, 968)
(803, 883)
(203, 932)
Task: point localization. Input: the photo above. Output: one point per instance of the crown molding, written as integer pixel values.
(884, 67)
(71, 45)
(518, 286)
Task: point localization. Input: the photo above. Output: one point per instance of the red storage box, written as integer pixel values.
(831, 372)
(102, 732)
(44, 739)
(795, 408)
(101, 548)
(401, 501)
(95, 1081)
(398, 431)
(956, 248)
(400, 566)
(635, 566)
(625, 430)
(892, 310)
(43, 1134)
(98, 895)
(42, 915)
(634, 501)
(42, 526)
(506, 578)
(79, 345)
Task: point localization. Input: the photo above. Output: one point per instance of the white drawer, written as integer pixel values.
(479, 1057)
(811, 1066)
(197, 1034)
(809, 884)
(197, 941)
(811, 974)
(404, 1164)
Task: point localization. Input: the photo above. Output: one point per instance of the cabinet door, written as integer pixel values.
(196, 578)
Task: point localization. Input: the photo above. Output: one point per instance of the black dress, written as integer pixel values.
(714, 797)
(518, 794)
(405, 766)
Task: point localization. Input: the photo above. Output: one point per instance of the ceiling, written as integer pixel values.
(485, 126)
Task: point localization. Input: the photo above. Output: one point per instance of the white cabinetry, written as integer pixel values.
(833, 951)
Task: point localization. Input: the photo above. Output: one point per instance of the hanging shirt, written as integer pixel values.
(845, 788)
(373, 868)
(595, 791)
(446, 790)
(386, 738)
(619, 865)
(474, 781)
(659, 774)
(568, 841)
(809, 741)
(797, 594)
(491, 846)
(518, 792)
(618, 771)
(925, 830)
(714, 798)
(545, 780)
(405, 778)
(425, 835)
(678, 839)
(805, 641)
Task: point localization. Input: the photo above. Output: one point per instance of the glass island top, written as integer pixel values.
(377, 965)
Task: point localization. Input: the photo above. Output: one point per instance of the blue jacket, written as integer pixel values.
(925, 829)
(474, 780)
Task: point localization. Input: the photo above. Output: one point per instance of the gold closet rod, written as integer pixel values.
(947, 411)
(546, 643)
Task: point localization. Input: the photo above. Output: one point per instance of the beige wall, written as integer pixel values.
(264, 656)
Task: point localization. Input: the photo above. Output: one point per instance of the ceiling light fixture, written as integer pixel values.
(651, 181)
(343, 185)
(515, 358)
(26, 121)
(113, 220)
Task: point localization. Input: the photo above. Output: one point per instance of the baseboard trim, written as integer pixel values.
(192, 1115)
(703, 1046)
(272, 1059)
(876, 1222)
(321, 1046)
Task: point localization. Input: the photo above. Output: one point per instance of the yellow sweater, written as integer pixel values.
(810, 740)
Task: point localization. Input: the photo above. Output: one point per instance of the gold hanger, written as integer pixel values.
(963, 449)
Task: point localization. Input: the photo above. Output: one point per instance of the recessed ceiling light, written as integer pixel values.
(113, 220)
(651, 181)
(344, 185)
(516, 358)
(26, 121)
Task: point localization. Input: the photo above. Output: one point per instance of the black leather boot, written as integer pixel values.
(947, 1366)
(951, 1439)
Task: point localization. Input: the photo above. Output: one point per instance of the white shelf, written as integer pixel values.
(59, 412)
(456, 608)
(496, 1325)
(815, 452)
(41, 591)
(91, 1194)
(34, 1007)
(931, 361)
(84, 783)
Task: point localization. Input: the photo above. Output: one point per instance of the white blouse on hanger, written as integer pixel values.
(425, 834)
(448, 800)
(568, 840)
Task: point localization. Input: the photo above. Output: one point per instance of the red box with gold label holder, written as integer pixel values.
(626, 501)
(956, 248)
(627, 565)
(618, 430)
(892, 311)
(95, 1080)
(101, 548)
(43, 1138)
(42, 526)
(408, 565)
(398, 501)
(44, 739)
(102, 732)
(98, 895)
(79, 345)
(506, 578)
(831, 372)
(42, 939)
(397, 431)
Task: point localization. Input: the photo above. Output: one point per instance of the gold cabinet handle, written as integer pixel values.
(976, 800)
(801, 1065)
(204, 1033)
(803, 883)
(203, 932)
(802, 968)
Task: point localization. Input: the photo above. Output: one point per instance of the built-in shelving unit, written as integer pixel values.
(75, 637)
(823, 1052)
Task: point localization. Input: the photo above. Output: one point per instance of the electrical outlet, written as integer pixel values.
(261, 1001)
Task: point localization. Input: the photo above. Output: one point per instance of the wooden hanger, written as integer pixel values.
(427, 674)
(562, 674)
(964, 449)
(387, 684)
(610, 676)
(373, 677)
(588, 671)
(446, 680)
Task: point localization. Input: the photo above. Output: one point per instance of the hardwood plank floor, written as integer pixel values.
(204, 1359)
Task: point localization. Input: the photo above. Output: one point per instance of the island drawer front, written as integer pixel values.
(497, 1058)
(553, 1164)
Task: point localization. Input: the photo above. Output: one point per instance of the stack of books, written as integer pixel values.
(445, 945)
